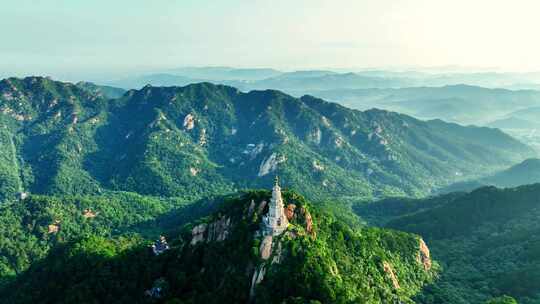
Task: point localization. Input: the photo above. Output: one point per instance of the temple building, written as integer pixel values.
(275, 222)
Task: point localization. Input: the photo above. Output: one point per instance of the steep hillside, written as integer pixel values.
(204, 139)
(524, 173)
(487, 242)
(223, 258)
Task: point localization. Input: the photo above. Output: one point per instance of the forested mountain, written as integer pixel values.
(486, 241)
(223, 258)
(77, 148)
(204, 139)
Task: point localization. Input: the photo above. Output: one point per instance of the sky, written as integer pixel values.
(75, 37)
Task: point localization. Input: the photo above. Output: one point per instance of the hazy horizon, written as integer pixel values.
(62, 38)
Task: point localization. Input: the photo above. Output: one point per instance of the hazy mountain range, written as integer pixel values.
(298, 82)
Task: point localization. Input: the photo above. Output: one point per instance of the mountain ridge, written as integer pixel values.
(199, 138)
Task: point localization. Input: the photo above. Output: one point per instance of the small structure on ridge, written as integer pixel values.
(275, 222)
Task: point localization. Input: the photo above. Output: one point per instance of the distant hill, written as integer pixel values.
(225, 73)
(311, 82)
(101, 90)
(162, 79)
(514, 123)
(527, 172)
(305, 74)
(266, 78)
(296, 83)
(459, 103)
(530, 114)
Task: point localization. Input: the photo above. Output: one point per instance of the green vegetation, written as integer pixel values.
(487, 243)
(203, 140)
(319, 259)
(502, 300)
(30, 228)
(109, 172)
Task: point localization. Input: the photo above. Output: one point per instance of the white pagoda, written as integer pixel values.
(275, 222)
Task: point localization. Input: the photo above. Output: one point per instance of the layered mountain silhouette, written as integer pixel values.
(524, 173)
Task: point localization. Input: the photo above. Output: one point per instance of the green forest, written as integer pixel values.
(91, 176)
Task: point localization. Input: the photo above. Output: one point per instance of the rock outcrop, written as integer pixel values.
(265, 249)
(389, 270)
(216, 231)
(424, 257)
(219, 230)
(54, 227)
(197, 233)
(308, 220)
(88, 213)
(270, 164)
(189, 122)
(289, 211)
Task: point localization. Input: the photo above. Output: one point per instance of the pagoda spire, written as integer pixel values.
(275, 222)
